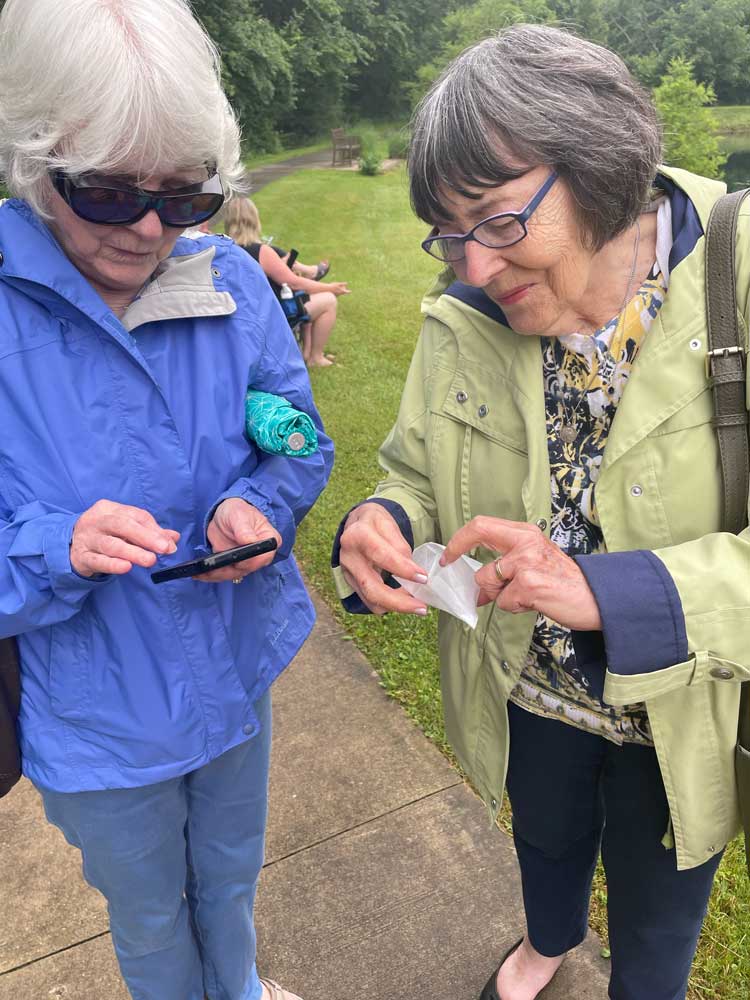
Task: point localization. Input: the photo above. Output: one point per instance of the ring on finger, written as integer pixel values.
(499, 569)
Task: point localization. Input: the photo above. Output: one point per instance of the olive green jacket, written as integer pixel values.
(470, 438)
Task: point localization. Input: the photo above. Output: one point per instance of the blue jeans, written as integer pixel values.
(573, 793)
(178, 863)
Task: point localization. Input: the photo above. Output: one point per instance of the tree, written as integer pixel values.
(586, 17)
(689, 130)
(405, 35)
(467, 25)
(257, 67)
(714, 34)
(324, 50)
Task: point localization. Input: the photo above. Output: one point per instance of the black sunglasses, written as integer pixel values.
(107, 202)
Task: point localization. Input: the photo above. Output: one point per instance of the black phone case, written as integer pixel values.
(215, 561)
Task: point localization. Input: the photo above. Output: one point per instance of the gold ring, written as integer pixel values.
(499, 569)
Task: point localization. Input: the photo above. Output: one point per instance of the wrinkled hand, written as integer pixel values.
(113, 537)
(537, 575)
(371, 542)
(234, 523)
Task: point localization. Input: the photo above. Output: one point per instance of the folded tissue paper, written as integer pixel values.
(450, 588)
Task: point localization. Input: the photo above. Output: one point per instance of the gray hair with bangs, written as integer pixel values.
(537, 95)
(102, 85)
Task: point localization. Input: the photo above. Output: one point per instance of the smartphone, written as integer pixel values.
(215, 561)
(292, 259)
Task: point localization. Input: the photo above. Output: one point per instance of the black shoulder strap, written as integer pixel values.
(726, 359)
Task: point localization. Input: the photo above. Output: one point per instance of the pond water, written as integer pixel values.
(737, 167)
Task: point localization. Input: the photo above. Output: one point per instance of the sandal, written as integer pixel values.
(276, 992)
(490, 990)
(323, 268)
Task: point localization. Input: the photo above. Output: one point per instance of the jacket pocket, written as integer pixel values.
(69, 668)
(482, 441)
(487, 404)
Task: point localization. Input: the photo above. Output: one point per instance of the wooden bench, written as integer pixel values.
(345, 147)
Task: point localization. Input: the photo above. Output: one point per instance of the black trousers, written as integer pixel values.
(574, 794)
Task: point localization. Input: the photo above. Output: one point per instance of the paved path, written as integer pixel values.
(273, 171)
(383, 879)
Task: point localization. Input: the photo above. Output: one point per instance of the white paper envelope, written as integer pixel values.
(449, 588)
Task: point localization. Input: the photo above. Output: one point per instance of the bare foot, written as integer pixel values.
(525, 973)
(321, 362)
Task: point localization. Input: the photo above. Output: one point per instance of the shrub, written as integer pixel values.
(369, 164)
(689, 129)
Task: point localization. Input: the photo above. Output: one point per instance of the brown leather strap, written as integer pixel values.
(727, 359)
(725, 365)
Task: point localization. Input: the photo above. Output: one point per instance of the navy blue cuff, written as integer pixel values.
(643, 623)
(354, 603)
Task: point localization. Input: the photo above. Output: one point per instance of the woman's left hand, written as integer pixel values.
(532, 573)
(236, 522)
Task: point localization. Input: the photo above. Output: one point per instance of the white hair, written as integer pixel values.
(102, 85)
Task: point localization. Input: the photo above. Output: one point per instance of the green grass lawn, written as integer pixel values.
(365, 227)
(732, 118)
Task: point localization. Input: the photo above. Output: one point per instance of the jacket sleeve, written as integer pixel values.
(679, 615)
(38, 585)
(406, 491)
(281, 487)
(675, 617)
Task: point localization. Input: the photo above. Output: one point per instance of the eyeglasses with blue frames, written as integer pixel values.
(502, 230)
(107, 202)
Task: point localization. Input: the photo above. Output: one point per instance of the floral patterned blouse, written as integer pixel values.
(584, 379)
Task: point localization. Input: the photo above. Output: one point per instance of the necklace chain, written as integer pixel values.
(569, 430)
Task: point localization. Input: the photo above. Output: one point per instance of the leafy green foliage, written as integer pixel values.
(295, 68)
(467, 25)
(689, 130)
(714, 34)
(369, 164)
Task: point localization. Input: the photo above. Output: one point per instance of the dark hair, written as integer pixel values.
(535, 95)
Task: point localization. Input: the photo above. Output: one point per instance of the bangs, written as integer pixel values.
(149, 128)
(453, 148)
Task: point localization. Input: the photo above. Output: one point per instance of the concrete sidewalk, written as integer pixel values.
(383, 879)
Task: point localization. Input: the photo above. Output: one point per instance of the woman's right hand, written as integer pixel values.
(337, 287)
(372, 542)
(113, 537)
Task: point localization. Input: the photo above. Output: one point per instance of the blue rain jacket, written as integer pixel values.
(125, 683)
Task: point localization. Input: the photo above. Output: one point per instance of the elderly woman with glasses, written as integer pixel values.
(557, 419)
(127, 353)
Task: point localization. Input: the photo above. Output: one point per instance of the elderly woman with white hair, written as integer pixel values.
(126, 355)
(557, 419)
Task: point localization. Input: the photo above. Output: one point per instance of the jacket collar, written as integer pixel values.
(182, 287)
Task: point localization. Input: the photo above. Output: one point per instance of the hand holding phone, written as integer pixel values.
(237, 522)
(216, 560)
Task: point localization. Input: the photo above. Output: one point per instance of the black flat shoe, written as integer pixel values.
(490, 990)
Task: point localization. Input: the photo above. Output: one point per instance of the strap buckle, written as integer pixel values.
(724, 352)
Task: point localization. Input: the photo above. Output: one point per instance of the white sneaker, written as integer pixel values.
(275, 992)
